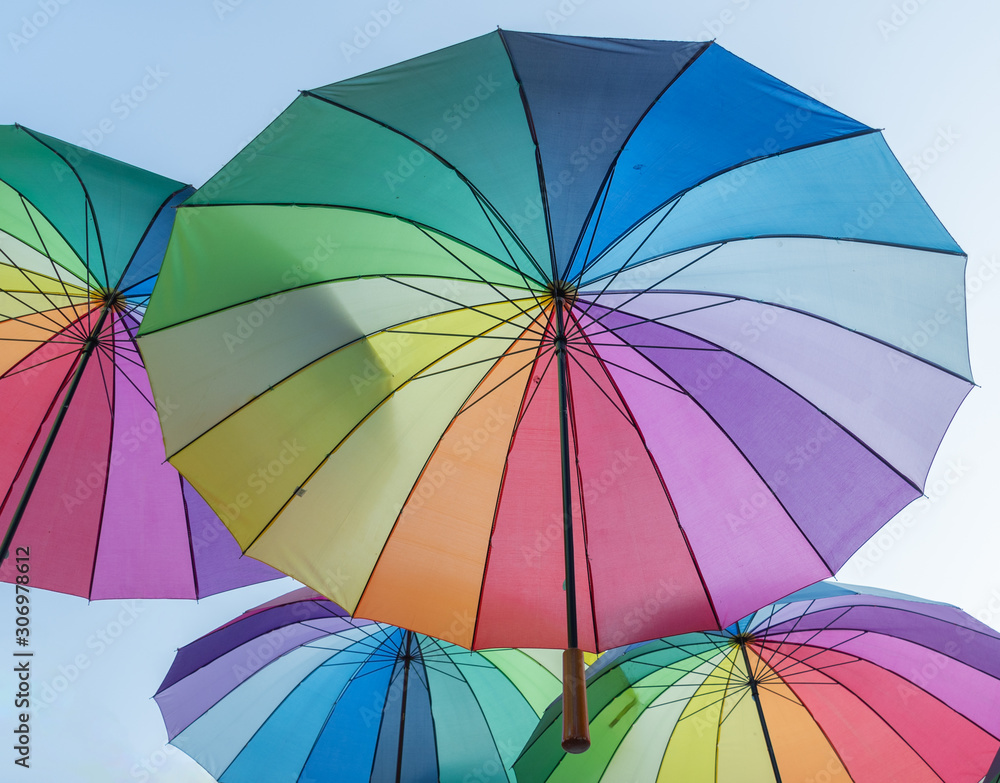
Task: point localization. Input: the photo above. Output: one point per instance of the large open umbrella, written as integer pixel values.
(835, 683)
(544, 341)
(295, 690)
(88, 504)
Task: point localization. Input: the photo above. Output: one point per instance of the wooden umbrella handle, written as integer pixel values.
(576, 727)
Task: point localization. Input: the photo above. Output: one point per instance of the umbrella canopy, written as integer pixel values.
(534, 301)
(86, 497)
(296, 690)
(835, 683)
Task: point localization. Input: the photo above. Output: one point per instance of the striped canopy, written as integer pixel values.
(363, 317)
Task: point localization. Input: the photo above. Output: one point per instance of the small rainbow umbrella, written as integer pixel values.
(87, 502)
(295, 690)
(835, 683)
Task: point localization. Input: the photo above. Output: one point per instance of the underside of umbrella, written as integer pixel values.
(295, 690)
(85, 492)
(834, 683)
(530, 302)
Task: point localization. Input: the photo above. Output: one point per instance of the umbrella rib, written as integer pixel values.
(720, 172)
(119, 356)
(483, 202)
(108, 352)
(483, 336)
(45, 250)
(527, 283)
(510, 377)
(37, 289)
(53, 330)
(607, 396)
(34, 366)
(663, 483)
(57, 326)
(539, 169)
(472, 691)
(877, 715)
(632, 255)
(784, 666)
(613, 164)
(88, 207)
(603, 200)
(662, 320)
(801, 618)
(122, 353)
(611, 276)
(38, 434)
(743, 694)
(142, 239)
(623, 368)
(473, 308)
(526, 400)
(480, 198)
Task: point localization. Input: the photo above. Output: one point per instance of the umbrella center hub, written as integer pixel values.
(111, 298)
(562, 291)
(742, 639)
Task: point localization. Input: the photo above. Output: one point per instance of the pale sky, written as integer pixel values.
(211, 75)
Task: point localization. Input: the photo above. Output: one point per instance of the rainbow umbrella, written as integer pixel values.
(834, 683)
(87, 503)
(295, 690)
(588, 340)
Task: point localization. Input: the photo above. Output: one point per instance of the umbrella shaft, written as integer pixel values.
(402, 707)
(36, 473)
(567, 496)
(760, 713)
